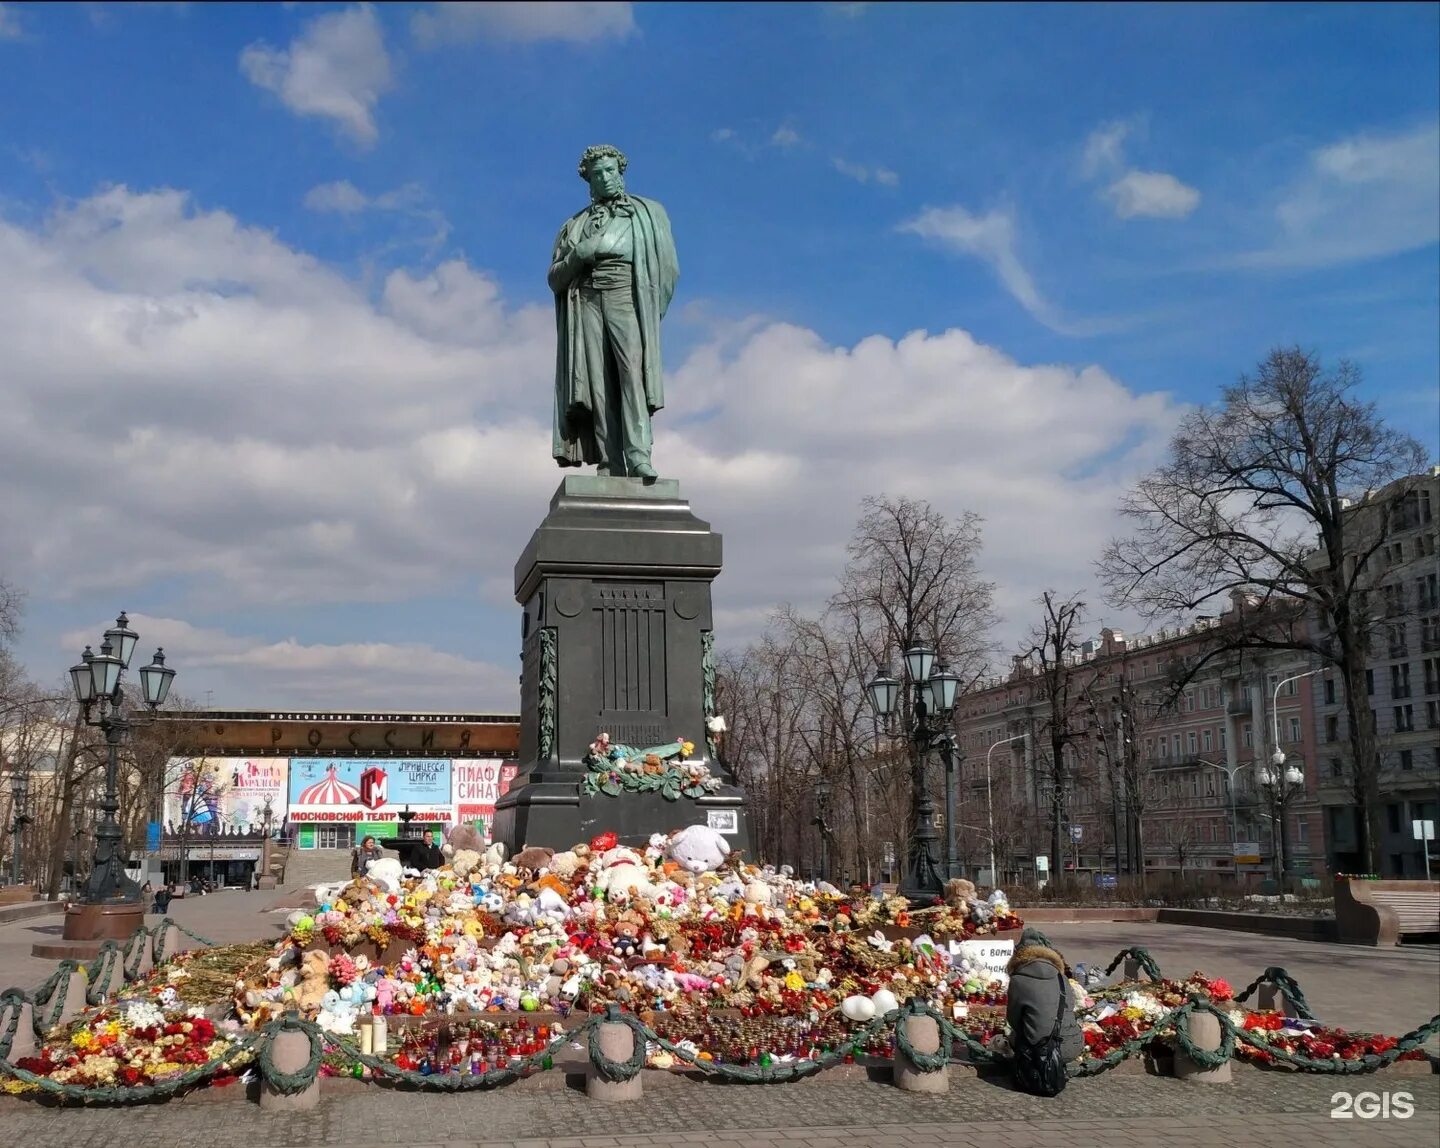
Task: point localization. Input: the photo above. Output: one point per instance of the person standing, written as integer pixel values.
(429, 856)
(369, 851)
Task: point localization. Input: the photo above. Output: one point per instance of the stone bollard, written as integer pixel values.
(290, 1052)
(616, 1042)
(924, 1036)
(1270, 998)
(1204, 1029)
(73, 989)
(24, 1043)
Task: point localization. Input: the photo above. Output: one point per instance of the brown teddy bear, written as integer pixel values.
(533, 857)
(314, 981)
(960, 894)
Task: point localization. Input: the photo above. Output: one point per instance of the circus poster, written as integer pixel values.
(219, 796)
(329, 790)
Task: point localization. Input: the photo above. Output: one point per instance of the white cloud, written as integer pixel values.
(9, 23)
(1105, 149)
(1363, 197)
(862, 174)
(1133, 194)
(991, 238)
(337, 68)
(575, 21)
(1151, 195)
(252, 672)
(721, 135)
(342, 197)
(286, 439)
(785, 136)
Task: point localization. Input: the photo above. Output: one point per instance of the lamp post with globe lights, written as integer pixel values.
(934, 689)
(110, 905)
(1281, 783)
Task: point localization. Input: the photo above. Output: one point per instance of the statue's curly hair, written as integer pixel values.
(600, 151)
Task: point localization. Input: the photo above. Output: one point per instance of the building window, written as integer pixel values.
(1424, 545)
(1329, 691)
(1336, 768)
(1395, 639)
(1302, 830)
(1175, 744)
(1430, 632)
(1294, 729)
(1407, 759)
(1404, 719)
(1394, 599)
(1222, 737)
(1332, 727)
(1400, 680)
(1249, 736)
(1164, 749)
(1432, 675)
(1427, 590)
(1194, 786)
(1189, 701)
(1370, 682)
(1209, 785)
(1392, 817)
(1432, 714)
(1207, 738)
(1191, 743)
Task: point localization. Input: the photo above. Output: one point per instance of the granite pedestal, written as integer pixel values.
(616, 636)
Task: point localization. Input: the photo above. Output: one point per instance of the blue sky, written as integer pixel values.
(282, 268)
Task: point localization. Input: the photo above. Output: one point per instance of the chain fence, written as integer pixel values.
(956, 1044)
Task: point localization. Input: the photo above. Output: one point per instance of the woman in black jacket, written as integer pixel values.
(1037, 978)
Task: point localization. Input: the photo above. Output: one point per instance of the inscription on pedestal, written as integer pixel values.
(639, 736)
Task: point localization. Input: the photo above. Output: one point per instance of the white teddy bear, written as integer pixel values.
(623, 876)
(698, 849)
(386, 872)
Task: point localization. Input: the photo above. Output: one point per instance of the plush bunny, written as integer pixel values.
(386, 872)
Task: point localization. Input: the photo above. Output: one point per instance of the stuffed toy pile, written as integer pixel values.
(681, 923)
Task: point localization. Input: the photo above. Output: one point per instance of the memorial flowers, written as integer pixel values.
(615, 769)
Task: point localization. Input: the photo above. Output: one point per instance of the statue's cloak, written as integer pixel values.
(579, 384)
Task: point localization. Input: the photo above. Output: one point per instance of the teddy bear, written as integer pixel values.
(387, 873)
(622, 875)
(314, 980)
(569, 862)
(698, 849)
(533, 857)
(463, 837)
(625, 939)
(464, 862)
(960, 894)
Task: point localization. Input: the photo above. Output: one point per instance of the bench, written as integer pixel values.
(1382, 912)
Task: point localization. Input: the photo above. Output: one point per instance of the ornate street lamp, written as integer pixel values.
(110, 898)
(822, 805)
(935, 689)
(19, 789)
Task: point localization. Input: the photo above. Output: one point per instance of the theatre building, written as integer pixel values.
(321, 782)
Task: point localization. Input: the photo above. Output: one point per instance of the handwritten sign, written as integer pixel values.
(991, 956)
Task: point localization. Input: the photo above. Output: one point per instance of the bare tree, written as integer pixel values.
(1248, 488)
(1059, 689)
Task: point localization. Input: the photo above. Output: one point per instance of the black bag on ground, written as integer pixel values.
(1039, 1068)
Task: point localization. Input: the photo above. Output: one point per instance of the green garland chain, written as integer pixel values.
(1286, 984)
(1141, 957)
(289, 1083)
(48, 1001)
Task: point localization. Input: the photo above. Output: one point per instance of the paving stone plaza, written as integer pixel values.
(1388, 991)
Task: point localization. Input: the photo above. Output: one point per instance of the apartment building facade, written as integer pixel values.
(1402, 682)
(1169, 778)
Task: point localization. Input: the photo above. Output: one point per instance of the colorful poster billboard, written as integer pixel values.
(340, 790)
(219, 796)
(476, 786)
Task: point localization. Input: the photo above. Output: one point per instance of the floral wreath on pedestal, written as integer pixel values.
(616, 769)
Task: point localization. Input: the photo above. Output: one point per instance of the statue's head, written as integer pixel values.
(603, 168)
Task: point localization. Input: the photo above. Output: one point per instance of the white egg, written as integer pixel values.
(858, 1008)
(884, 1001)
